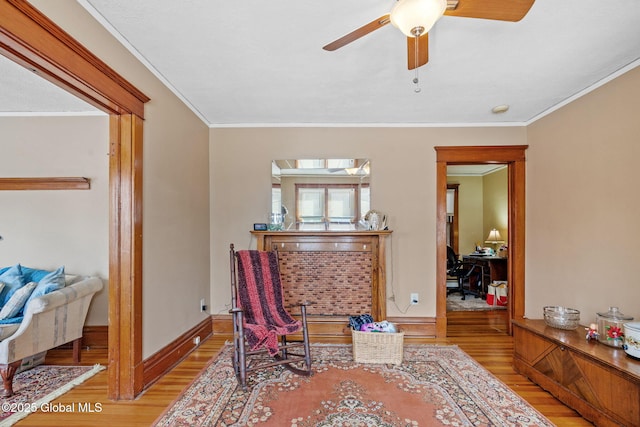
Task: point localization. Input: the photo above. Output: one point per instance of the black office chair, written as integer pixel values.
(465, 273)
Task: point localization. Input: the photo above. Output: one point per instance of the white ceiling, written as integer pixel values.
(22, 91)
(473, 170)
(257, 62)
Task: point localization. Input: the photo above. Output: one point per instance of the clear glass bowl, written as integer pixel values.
(562, 317)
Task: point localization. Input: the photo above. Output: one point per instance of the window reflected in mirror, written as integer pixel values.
(320, 194)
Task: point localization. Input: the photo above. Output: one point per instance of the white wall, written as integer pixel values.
(47, 229)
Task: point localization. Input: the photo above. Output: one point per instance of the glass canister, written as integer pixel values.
(276, 221)
(610, 327)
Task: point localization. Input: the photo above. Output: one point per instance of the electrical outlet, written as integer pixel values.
(196, 340)
(203, 306)
(414, 298)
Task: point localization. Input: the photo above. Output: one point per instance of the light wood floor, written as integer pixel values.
(481, 334)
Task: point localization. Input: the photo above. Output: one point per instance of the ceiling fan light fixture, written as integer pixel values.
(416, 17)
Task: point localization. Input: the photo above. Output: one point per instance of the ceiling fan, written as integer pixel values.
(416, 17)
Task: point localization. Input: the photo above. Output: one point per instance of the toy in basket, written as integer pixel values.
(377, 342)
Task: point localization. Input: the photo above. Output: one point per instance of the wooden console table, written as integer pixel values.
(600, 382)
(318, 247)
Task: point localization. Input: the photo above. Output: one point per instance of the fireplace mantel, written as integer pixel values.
(316, 247)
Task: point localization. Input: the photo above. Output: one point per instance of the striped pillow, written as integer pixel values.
(17, 301)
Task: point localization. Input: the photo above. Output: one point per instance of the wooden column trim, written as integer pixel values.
(34, 41)
(72, 183)
(516, 246)
(125, 336)
(441, 249)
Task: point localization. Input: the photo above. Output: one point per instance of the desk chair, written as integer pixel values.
(467, 275)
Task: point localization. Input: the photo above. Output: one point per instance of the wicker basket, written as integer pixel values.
(377, 347)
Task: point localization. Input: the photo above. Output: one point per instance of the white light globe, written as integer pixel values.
(409, 14)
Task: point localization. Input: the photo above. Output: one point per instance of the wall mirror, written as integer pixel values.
(320, 194)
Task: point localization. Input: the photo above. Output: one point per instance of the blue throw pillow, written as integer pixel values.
(13, 280)
(11, 320)
(54, 280)
(32, 274)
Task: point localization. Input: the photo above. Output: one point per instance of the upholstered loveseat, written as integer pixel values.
(53, 314)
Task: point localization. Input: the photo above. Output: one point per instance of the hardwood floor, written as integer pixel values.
(482, 334)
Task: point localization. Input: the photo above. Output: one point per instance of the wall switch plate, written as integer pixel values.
(414, 298)
(203, 306)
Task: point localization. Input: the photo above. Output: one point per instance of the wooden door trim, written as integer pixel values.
(456, 218)
(514, 157)
(34, 41)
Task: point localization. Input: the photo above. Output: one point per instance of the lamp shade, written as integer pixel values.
(494, 237)
(408, 15)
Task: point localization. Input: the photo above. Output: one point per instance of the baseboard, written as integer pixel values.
(169, 356)
(92, 337)
(330, 326)
(95, 336)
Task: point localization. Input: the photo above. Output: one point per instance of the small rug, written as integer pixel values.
(34, 388)
(470, 303)
(435, 385)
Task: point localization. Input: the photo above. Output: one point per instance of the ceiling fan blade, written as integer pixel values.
(360, 32)
(501, 10)
(422, 54)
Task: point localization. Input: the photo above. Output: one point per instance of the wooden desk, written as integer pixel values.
(495, 268)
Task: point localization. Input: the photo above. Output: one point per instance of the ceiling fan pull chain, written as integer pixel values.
(416, 79)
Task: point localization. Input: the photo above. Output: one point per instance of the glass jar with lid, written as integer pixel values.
(610, 330)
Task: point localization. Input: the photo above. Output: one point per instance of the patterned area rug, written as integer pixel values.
(35, 388)
(435, 385)
(470, 303)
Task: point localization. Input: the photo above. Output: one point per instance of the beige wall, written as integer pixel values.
(582, 203)
(581, 212)
(495, 205)
(470, 212)
(175, 188)
(582, 227)
(47, 229)
(402, 186)
(482, 205)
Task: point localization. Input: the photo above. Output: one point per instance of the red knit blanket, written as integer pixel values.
(260, 297)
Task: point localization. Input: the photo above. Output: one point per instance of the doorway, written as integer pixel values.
(32, 40)
(514, 158)
(477, 229)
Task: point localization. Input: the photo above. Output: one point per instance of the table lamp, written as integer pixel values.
(494, 237)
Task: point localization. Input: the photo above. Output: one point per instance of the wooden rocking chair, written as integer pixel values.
(261, 323)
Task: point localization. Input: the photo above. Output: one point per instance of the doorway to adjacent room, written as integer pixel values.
(477, 232)
(514, 158)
